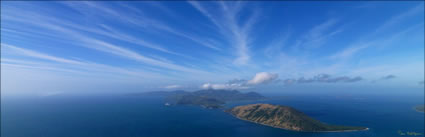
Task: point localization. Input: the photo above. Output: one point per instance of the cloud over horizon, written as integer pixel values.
(323, 78)
(259, 79)
(388, 77)
(262, 78)
(173, 87)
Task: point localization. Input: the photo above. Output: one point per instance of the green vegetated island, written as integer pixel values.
(420, 108)
(286, 118)
(208, 98)
(271, 115)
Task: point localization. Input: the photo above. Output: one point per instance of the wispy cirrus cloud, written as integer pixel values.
(79, 32)
(226, 21)
(366, 41)
(356, 47)
(48, 22)
(318, 35)
(36, 66)
(81, 39)
(400, 17)
(140, 19)
(35, 54)
(350, 51)
(275, 47)
(126, 53)
(73, 66)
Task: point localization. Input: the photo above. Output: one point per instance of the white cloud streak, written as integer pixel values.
(68, 27)
(87, 66)
(318, 35)
(227, 23)
(400, 17)
(361, 45)
(39, 55)
(275, 48)
(101, 45)
(173, 87)
(139, 19)
(259, 79)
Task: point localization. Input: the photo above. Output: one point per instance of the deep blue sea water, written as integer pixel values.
(130, 116)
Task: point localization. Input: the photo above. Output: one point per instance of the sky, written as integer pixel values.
(95, 47)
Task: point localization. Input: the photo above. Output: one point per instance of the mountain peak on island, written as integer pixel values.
(285, 117)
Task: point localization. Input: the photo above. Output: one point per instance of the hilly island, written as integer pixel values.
(271, 115)
(286, 118)
(420, 108)
(208, 98)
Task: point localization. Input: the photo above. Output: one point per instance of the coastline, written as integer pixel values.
(419, 111)
(416, 109)
(366, 129)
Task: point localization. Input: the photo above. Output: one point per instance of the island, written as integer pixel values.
(206, 102)
(208, 98)
(285, 118)
(420, 108)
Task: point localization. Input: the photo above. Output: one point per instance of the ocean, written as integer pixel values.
(141, 116)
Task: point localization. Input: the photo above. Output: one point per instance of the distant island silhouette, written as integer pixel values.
(208, 98)
(420, 108)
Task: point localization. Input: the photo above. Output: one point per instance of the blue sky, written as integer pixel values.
(94, 47)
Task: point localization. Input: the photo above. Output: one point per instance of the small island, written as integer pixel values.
(208, 98)
(420, 108)
(203, 101)
(285, 118)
